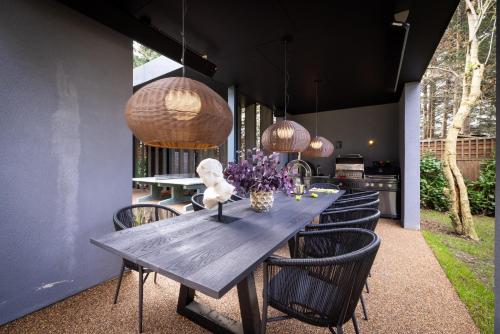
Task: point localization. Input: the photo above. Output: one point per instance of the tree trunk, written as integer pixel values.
(460, 214)
(446, 111)
(432, 115)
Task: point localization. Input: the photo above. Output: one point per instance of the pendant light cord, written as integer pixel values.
(184, 10)
(316, 108)
(287, 77)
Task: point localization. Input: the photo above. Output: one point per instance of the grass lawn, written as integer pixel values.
(468, 264)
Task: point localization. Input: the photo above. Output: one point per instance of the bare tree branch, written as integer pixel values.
(444, 70)
(491, 40)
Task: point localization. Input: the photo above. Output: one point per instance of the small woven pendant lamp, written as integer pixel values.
(319, 147)
(179, 112)
(285, 136)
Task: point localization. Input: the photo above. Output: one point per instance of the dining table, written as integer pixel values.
(211, 257)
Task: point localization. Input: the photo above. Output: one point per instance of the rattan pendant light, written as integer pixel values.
(285, 135)
(179, 112)
(319, 147)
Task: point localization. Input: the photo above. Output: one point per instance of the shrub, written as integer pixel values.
(433, 184)
(482, 191)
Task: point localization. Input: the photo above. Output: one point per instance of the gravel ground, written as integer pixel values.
(409, 293)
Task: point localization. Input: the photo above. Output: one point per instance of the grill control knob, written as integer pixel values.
(380, 185)
(372, 185)
(389, 185)
(367, 184)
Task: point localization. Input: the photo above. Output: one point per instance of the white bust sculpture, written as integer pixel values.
(218, 190)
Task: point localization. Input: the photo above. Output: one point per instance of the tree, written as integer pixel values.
(473, 73)
(445, 72)
(143, 54)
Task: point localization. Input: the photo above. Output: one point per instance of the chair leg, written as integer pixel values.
(355, 323)
(366, 286)
(264, 301)
(141, 286)
(119, 282)
(337, 330)
(365, 314)
(155, 278)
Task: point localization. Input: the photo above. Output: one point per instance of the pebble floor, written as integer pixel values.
(409, 293)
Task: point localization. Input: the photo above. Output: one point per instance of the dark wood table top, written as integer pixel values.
(212, 257)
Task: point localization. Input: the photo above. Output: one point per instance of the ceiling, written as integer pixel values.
(349, 45)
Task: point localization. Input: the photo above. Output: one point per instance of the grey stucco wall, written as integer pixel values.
(66, 153)
(409, 155)
(354, 127)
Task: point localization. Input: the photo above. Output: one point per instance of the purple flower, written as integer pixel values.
(258, 172)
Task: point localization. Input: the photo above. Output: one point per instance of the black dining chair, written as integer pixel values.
(354, 203)
(374, 194)
(325, 185)
(197, 201)
(132, 216)
(366, 218)
(322, 285)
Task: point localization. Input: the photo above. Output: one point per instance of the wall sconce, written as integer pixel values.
(371, 142)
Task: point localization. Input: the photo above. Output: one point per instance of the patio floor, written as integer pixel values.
(409, 293)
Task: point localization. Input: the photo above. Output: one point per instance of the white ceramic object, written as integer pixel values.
(218, 190)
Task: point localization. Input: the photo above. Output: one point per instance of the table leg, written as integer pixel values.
(218, 323)
(154, 194)
(176, 197)
(249, 305)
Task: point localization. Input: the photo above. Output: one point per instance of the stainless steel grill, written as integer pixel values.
(349, 166)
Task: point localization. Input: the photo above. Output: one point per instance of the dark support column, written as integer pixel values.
(134, 155)
(149, 155)
(164, 154)
(234, 136)
(250, 139)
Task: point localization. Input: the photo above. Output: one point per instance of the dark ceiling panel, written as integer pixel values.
(350, 45)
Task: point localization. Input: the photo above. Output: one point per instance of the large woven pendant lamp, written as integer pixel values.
(179, 112)
(319, 147)
(285, 135)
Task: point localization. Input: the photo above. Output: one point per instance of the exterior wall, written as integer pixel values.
(409, 155)
(354, 127)
(67, 152)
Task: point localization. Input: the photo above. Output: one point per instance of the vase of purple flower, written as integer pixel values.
(259, 175)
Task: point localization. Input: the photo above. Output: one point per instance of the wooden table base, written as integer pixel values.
(218, 323)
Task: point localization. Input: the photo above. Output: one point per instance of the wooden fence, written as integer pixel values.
(470, 152)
